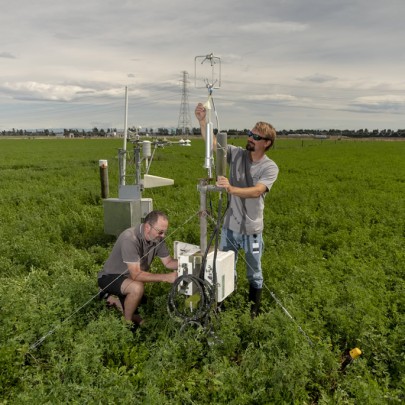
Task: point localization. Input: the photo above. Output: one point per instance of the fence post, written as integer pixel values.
(104, 178)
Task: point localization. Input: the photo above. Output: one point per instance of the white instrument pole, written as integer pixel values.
(124, 157)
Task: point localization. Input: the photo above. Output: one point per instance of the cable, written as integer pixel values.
(177, 303)
(206, 296)
(216, 113)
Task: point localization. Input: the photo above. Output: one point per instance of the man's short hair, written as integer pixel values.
(153, 217)
(267, 131)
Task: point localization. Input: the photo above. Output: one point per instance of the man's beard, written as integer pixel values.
(250, 146)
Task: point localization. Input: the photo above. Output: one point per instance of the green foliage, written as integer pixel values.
(334, 257)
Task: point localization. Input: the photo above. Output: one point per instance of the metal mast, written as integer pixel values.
(184, 124)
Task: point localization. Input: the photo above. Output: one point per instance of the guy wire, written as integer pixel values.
(278, 302)
(289, 315)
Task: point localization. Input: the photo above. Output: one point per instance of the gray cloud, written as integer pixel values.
(383, 104)
(317, 78)
(7, 55)
(335, 61)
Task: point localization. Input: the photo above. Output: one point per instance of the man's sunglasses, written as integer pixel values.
(159, 231)
(256, 137)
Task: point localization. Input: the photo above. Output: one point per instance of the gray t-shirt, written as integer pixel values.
(245, 215)
(132, 247)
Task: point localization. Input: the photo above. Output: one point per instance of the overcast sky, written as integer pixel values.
(316, 64)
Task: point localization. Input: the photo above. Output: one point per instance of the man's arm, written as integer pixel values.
(243, 192)
(201, 116)
(169, 262)
(137, 274)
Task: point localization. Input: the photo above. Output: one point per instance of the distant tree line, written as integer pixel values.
(361, 133)
(112, 132)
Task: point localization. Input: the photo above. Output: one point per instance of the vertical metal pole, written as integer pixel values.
(209, 140)
(203, 215)
(122, 155)
(137, 158)
(208, 149)
(125, 136)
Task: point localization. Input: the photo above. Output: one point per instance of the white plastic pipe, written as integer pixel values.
(208, 148)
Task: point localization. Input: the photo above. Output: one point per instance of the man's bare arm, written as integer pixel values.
(137, 274)
(243, 192)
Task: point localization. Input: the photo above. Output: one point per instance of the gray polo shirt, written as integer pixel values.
(245, 215)
(132, 247)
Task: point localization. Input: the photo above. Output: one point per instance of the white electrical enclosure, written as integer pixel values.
(190, 260)
(225, 269)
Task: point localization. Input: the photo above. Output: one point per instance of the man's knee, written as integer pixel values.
(132, 287)
(255, 277)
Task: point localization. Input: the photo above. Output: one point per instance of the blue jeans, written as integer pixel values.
(253, 246)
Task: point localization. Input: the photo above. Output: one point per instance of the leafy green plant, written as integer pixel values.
(334, 258)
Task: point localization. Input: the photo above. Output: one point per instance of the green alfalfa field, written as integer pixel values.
(334, 258)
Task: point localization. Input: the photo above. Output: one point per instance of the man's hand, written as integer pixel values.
(223, 182)
(171, 277)
(242, 192)
(200, 112)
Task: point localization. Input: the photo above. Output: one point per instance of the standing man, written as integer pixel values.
(127, 269)
(251, 176)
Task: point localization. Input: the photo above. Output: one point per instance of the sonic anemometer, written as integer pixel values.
(207, 72)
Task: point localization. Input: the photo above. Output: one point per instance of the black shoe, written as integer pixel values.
(255, 296)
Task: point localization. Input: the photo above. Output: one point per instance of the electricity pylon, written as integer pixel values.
(184, 124)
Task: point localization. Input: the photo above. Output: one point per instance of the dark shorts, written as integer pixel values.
(112, 283)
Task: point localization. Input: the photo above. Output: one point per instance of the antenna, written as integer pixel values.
(124, 149)
(184, 124)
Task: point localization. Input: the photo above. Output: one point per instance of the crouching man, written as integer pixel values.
(127, 268)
